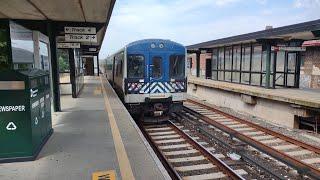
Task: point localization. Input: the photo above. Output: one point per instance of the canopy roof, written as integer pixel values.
(94, 13)
(303, 31)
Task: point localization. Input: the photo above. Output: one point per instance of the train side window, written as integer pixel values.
(156, 67)
(121, 67)
(109, 64)
(135, 66)
(177, 66)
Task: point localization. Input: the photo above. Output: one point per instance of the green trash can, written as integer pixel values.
(25, 114)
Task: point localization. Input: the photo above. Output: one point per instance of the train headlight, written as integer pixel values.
(153, 45)
(161, 45)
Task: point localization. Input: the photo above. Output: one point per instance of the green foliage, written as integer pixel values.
(63, 64)
(63, 59)
(3, 50)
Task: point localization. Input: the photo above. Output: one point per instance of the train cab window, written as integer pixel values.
(135, 66)
(177, 66)
(156, 67)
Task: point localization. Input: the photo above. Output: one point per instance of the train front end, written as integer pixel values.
(156, 82)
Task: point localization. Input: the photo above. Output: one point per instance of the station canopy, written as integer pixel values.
(302, 31)
(95, 13)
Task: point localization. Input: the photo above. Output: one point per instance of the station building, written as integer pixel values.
(273, 74)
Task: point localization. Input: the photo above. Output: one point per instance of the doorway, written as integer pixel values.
(287, 69)
(157, 67)
(89, 66)
(208, 69)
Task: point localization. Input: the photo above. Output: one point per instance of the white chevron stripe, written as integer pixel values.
(175, 86)
(169, 86)
(144, 86)
(157, 88)
(153, 84)
(181, 85)
(164, 87)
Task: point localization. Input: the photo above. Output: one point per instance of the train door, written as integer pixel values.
(157, 73)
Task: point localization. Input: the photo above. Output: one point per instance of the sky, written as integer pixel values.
(194, 21)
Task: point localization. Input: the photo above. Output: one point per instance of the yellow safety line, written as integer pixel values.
(125, 167)
(97, 91)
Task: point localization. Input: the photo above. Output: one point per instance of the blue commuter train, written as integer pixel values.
(149, 76)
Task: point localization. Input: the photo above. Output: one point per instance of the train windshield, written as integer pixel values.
(156, 67)
(135, 66)
(177, 66)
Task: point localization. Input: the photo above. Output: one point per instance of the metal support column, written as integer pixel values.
(98, 67)
(268, 65)
(198, 64)
(72, 73)
(54, 66)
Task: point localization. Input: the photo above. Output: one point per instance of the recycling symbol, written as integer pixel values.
(36, 121)
(11, 126)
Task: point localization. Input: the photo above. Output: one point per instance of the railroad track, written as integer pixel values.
(185, 157)
(303, 157)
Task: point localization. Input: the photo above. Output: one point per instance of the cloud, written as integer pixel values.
(224, 2)
(306, 4)
(190, 21)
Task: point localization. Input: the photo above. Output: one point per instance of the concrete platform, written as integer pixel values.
(279, 106)
(93, 133)
(301, 97)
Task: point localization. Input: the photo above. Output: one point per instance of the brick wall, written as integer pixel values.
(310, 71)
(203, 58)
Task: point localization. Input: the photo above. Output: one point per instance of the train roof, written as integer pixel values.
(145, 44)
(148, 43)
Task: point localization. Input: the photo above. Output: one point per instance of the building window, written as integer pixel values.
(221, 64)
(228, 64)
(221, 75)
(256, 58)
(236, 58)
(215, 64)
(221, 59)
(236, 64)
(245, 78)
(246, 51)
(228, 58)
(256, 63)
(281, 55)
(246, 64)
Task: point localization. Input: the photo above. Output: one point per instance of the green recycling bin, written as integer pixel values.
(25, 114)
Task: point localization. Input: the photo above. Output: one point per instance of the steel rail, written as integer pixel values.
(204, 131)
(172, 172)
(268, 131)
(216, 161)
(302, 167)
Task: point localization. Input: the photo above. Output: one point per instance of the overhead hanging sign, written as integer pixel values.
(92, 49)
(68, 45)
(288, 48)
(80, 30)
(80, 38)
